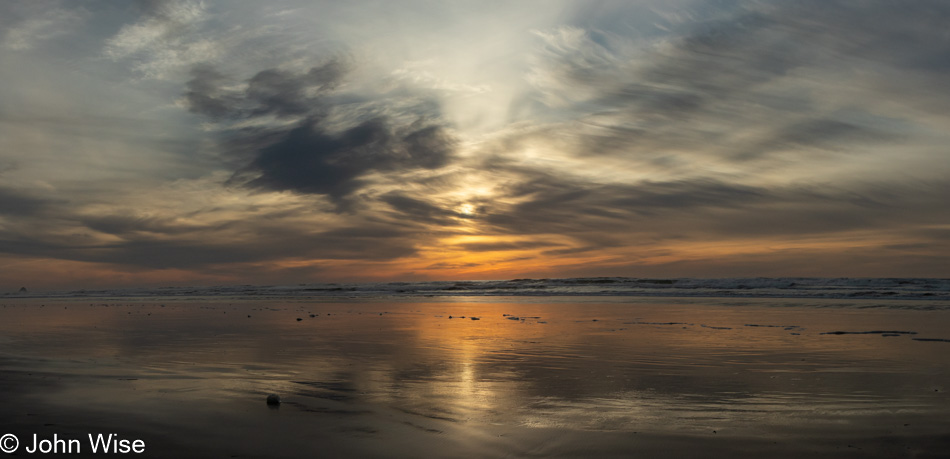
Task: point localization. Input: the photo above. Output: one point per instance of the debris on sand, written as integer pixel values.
(476, 318)
(273, 400)
(299, 319)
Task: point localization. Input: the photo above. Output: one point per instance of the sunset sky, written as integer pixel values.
(183, 142)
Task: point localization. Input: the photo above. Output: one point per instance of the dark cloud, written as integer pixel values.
(417, 209)
(284, 94)
(157, 245)
(612, 215)
(17, 204)
(206, 94)
(270, 92)
(310, 160)
(311, 157)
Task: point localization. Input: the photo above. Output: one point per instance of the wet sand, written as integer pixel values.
(538, 377)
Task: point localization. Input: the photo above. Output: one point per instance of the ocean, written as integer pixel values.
(604, 367)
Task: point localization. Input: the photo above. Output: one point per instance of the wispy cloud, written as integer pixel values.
(241, 139)
(167, 38)
(39, 22)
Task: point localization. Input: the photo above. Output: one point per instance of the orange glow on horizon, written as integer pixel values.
(494, 257)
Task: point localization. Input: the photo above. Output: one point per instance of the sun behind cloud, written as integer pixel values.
(244, 142)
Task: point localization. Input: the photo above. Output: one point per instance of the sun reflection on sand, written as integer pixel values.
(582, 366)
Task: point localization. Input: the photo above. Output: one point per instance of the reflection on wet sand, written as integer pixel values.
(527, 378)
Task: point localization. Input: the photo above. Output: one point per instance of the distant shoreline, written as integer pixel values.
(781, 287)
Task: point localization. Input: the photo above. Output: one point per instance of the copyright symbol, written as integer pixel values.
(9, 443)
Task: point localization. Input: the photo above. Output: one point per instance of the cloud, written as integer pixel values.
(597, 215)
(588, 137)
(270, 92)
(271, 245)
(504, 246)
(206, 94)
(419, 210)
(17, 204)
(282, 94)
(165, 40)
(329, 148)
(748, 70)
(46, 21)
(160, 243)
(160, 28)
(309, 160)
(137, 226)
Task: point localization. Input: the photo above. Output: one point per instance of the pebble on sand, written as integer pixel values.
(273, 399)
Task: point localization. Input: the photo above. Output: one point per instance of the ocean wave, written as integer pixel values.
(761, 287)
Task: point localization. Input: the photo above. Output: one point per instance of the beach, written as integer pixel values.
(459, 229)
(531, 377)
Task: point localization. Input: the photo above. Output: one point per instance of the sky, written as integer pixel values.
(150, 143)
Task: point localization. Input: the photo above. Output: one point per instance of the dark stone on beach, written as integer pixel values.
(476, 318)
(299, 319)
(312, 316)
(273, 400)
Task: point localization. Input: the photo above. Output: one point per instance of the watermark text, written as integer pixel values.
(93, 443)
